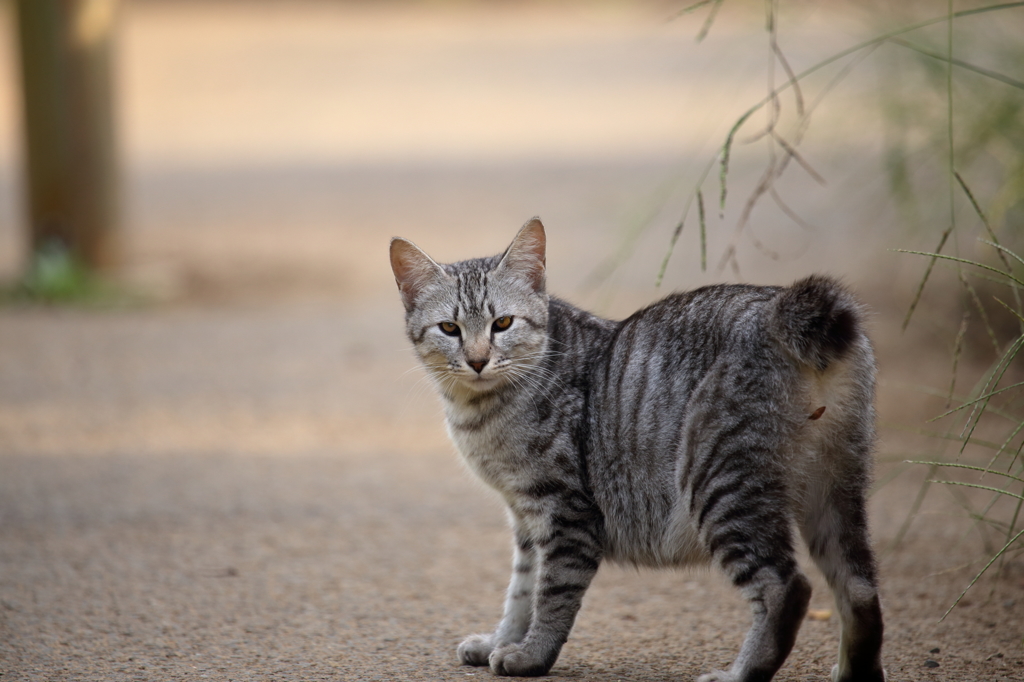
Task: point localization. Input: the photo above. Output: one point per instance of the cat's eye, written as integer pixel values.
(502, 323)
(450, 328)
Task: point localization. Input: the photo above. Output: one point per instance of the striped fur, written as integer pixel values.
(688, 433)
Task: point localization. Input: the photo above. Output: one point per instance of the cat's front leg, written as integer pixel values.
(567, 560)
(476, 649)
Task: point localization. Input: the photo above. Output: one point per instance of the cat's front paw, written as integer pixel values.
(476, 649)
(717, 676)
(515, 660)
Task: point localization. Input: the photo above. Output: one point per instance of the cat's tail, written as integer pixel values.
(816, 320)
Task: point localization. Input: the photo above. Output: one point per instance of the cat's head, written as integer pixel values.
(480, 323)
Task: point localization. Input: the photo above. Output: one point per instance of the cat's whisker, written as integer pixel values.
(415, 368)
(538, 374)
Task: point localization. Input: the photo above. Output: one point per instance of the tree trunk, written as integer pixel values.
(72, 176)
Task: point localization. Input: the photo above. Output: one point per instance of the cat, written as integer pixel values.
(698, 430)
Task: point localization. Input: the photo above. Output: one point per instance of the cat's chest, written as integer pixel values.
(496, 447)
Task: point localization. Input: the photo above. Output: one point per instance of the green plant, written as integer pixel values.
(963, 119)
(783, 149)
(988, 422)
(55, 276)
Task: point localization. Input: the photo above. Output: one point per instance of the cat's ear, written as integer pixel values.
(414, 270)
(525, 256)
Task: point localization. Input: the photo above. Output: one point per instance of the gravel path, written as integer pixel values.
(236, 494)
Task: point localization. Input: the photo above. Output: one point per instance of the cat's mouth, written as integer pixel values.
(479, 382)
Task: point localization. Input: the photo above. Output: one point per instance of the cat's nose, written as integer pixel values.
(478, 365)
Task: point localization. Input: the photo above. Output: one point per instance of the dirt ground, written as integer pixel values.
(246, 477)
(226, 492)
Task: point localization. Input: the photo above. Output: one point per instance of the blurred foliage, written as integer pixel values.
(55, 276)
(950, 82)
(986, 423)
(986, 95)
(951, 92)
(953, 105)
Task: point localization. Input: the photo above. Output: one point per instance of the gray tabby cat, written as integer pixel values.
(694, 431)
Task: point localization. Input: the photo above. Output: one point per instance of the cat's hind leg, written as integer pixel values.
(737, 490)
(755, 551)
(476, 649)
(834, 525)
(741, 506)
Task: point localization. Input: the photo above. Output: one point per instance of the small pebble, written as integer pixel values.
(931, 664)
(934, 651)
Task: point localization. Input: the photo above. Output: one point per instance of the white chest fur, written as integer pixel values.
(494, 445)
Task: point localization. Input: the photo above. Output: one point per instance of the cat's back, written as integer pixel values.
(658, 355)
(761, 335)
(706, 364)
(695, 326)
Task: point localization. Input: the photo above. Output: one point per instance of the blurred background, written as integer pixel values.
(262, 153)
(236, 350)
(269, 147)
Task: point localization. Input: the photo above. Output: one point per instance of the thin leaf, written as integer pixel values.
(698, 194)
(1012, 311)
(1003, 249)
(988, 445)
(949, 112)
(763, 185)
(987, 8)
(957, 348)
(954, 465)
(914, 508)
(798, 94)
(1002, 78)
(671, 247)
(793, 215)
(1009, 529)
(800, 160)
(1006, 443)
(636, 226)
(1001, 279)
(927, 274)
(929, 390)
(982, 572)
(710, 20)
(961, 260)
(1008, 357)
(977, 400)
(888, 478)
(703, 232)
(1015, 456)
(692, 8)
(981, 309)
(727, 149)
(1000, 250)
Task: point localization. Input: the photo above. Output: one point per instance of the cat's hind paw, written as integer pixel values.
(476, 650)
(514, 660)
